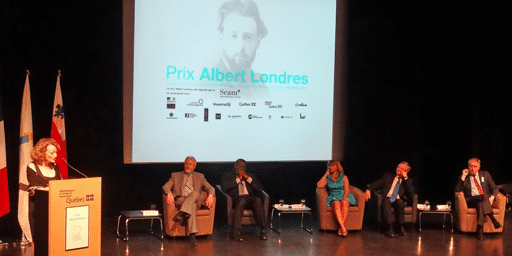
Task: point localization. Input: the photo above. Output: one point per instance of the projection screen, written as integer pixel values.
(222, 80)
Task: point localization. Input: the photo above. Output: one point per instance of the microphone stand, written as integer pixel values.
(74, 168)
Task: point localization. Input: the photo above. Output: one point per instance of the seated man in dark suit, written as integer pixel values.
(185, 189)
(480, 191)
(246, 192)
(395, 188)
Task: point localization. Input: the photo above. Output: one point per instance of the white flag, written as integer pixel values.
(26, 144)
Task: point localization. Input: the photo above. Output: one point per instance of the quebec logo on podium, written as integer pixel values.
(75, 210)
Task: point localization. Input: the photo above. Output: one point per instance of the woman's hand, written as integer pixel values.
(323, 181)
(368, 195)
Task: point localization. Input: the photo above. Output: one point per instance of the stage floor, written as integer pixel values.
(432, 240)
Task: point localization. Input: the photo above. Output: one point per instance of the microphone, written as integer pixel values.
(73, 167)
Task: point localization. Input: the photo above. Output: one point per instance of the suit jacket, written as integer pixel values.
(175, 184)
(230, 186)
(406, 190)
(486, 183)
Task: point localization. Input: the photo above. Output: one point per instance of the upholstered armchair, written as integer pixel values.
(204, 218)
(465, 218)
(226, 206)
(355, 215)
(506, 189)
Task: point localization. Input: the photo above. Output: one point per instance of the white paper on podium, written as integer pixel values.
(77, 227)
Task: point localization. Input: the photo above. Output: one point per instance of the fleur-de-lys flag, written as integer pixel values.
(59, 130)
(26, 144)
(5, 206)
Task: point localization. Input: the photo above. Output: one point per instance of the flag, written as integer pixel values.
(59, 130)
(26, 144)
(5, 206)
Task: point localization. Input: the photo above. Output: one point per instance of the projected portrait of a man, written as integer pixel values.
(240, 32)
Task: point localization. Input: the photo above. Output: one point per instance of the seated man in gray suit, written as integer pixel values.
(185, 190)
(480, 192)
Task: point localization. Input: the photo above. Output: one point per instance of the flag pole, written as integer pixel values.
(26, 144)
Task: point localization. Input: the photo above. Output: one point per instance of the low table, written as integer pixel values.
(138, 215)
(438, 212)
(282, 210)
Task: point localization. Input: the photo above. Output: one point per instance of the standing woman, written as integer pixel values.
(338, 190)
(40, 171)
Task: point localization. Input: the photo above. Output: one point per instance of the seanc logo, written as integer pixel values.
(229, 92)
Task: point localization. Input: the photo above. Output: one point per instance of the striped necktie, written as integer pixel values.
(189, 187)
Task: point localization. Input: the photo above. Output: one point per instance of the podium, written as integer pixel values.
(74, 217)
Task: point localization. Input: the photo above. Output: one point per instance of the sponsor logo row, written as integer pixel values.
(219, 116)
(171, 104)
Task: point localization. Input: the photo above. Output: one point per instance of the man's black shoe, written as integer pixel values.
(193, 239)
(236, 236)
(180, 217)
(390, 233)
(263, 235)
(480, 231)
(496, 224)
(481, 235)
(402, 231)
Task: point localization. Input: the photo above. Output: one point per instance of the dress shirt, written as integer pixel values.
(474, 189)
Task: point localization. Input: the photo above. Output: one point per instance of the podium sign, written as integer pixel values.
(75, 217)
